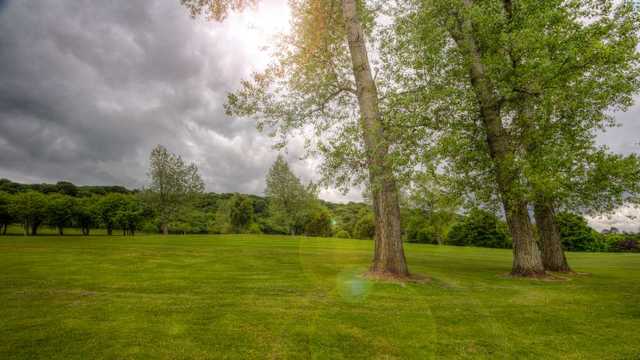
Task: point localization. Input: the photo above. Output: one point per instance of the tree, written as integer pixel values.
(240, 213)
(318, 222)
(30, 208)
(527, 84)
(66, 188)
(86, 213)
(174, 185)
(108, 208)
(6, 217)
(288, 198)
(365, 227)
(60, 210)
(480, 228)
(323, 78)
(575, 233)
(129, 215)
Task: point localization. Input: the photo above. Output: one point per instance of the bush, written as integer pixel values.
(365, 227)
(318, 223)
(342, 234)
(576, 235)
(480, 228)
(254, 228)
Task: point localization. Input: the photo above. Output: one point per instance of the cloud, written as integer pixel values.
(88, 88)
(625, 218)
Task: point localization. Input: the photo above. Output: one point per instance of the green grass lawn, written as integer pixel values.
(283, 297)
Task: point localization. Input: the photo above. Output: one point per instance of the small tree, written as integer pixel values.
(86, 213)
(108, 208)
(240, 213)
(174, 185)
(5, 213)
(480, 228)
(60, 210)
(318, 222)
(30, 208)
(575, 233)
(129, 215)
(288, 198)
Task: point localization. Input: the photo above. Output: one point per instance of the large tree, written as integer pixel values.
(174, 185)
(322, 78)
(6, 217)
(527, 83)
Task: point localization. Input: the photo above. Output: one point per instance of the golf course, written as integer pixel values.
(260, 296)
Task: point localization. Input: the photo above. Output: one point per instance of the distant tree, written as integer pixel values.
(60, 211)
(5, 211)
(480, 228)
(240, 213)
(30, 208)
(66, 188)
(108, 208)
(575, 233)
(129, 215)
(288, 198)
(174, 185)
(365, 227)
(86, 213)
(318, 222)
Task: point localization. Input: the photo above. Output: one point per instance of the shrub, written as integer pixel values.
(576, 235)
(480, 228)
(254, 228)
(342, 234)
(365, 227)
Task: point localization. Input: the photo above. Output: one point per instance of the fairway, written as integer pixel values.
(248, 296)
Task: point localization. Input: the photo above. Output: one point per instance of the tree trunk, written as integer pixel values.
(60, 230)
(165, 229)
(34, 229)
(109, 230)
(527, 260)
(26, 228)
(389, 256)
(552, 252)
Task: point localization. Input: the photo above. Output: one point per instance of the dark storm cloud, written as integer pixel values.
(87, 88)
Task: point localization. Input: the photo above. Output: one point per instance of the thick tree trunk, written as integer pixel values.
(552, 252)
(527, 260)
(389, 256)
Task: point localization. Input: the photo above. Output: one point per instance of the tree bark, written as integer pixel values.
(165, 229)
(527, 260)
(389, 256)
(553, 256)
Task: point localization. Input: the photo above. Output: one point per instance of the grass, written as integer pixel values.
(246, 296)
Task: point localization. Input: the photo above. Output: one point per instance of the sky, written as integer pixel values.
(88, 88)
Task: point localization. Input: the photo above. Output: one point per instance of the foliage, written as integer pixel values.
(30, 209)
(174, 185)
(365, 227)
(240, 213)
(318, 222)
(576, 235)
(342, 234)
(60, 211)
(480, 228)
(6, 217)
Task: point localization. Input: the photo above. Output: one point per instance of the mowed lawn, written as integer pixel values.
(247, 296)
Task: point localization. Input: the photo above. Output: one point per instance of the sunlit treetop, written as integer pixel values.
(216, 10)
